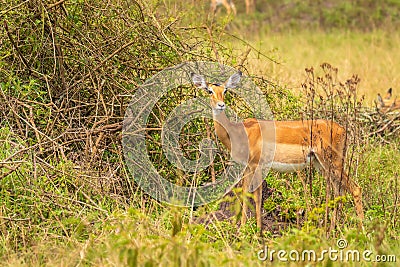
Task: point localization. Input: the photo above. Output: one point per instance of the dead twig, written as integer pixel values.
(11, 170)
(55, 4)
(21, 56)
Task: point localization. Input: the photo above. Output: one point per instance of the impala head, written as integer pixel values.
(387, 103)
(216, 91)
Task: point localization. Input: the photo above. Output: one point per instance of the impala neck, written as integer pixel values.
(222, 125)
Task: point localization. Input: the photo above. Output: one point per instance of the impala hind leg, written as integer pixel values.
(356, 192)
(340, 181)
(343, 181)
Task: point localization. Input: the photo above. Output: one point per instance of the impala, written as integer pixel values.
(250, 5)
(228, 4)
(387, 104)
(285, 146)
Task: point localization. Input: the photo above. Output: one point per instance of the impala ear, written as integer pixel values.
(389, 94)
(234, 80)
(380, 100)
(199, 81)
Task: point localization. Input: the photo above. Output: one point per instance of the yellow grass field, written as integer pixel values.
(372, 56)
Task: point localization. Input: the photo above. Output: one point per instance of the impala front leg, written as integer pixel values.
(248, 174)
(252, 182)
(258, 196)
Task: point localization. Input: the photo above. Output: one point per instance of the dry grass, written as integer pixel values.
(370, 55)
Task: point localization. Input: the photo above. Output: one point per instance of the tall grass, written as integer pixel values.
(370, 55)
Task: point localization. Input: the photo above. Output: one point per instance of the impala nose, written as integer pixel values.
(220, 105)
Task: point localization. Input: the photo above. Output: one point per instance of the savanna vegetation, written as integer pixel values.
(68, 70)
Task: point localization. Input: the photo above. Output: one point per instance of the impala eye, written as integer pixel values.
(209, 90)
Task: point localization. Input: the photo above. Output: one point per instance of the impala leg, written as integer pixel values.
(227, 6)
(252, 183)
(354, 189)
(247, 6)
(340, 178)
(350, 185)
(256, 188)
(233, 9)
(258, 200)
(213, 7)
(245, 189)
(356, 192)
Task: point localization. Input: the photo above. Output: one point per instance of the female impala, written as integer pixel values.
(250, 6)
(286, 146)
(228, 4)
(387, 104)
